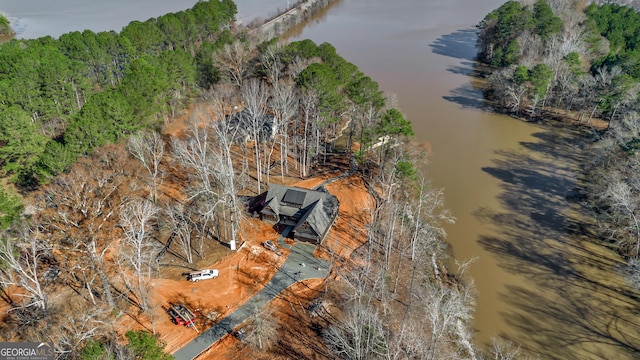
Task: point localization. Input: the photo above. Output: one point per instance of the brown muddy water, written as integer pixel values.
(541, 280)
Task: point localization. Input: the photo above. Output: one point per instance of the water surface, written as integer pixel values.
(35, 18)
(541, 280)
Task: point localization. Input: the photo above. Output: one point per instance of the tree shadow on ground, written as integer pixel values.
(574, 304)
(460, 44)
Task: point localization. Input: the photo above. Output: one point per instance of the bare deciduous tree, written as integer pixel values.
(76, 325)
(225, 175)
(234, 60)
(306, 146)
(97, 265)
(448, 310)
(255, 95)
(140, 250)
(502, 349)
(616, 186)
(623, 201)
(297, 66)
(284, 104)
(195, 153)
(361, 335)
(21, 260)
(261, 329)
(149, 149)
(211, 159)
(271, 62)
(76, 209)
(180, 229)
(363, 283)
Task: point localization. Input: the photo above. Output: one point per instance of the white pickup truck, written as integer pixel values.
(202, 275)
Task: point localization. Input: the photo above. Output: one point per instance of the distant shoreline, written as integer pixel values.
(296, 14)
(32, 19)
(5, 30)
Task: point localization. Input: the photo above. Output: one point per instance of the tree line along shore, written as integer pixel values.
(5, 26)
(570, 59)
(577, 62)
(82, 141)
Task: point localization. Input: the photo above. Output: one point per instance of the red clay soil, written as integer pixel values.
(296, 338)
(242, 275)
(349, 231)
(245, 272)
(10, 292)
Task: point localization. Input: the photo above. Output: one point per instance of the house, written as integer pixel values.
(309, 213)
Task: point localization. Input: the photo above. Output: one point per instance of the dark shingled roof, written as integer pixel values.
(315, 207)
(295, 197)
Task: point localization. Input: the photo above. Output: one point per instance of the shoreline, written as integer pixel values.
(275, 26)
(298, 13)
(10, 32)
(33, 19)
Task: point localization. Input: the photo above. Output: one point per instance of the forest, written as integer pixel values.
(63, 97)
(580, 67)
(102, 200)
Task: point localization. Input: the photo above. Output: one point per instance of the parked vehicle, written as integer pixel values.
(202, 275)
(181, 315)
(271, 246)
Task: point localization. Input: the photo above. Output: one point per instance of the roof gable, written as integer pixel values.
(306, 205)
(316, 217)
(273, 205)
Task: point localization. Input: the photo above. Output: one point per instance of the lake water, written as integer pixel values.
(35, 18)
(541, 281)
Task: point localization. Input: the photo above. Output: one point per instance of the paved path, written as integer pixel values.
(300, 265)
(351, 171)
(291, 271)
